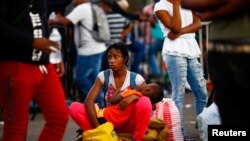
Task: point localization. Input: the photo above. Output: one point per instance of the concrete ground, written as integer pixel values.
(35, 125)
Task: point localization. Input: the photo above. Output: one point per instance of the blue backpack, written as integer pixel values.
(106, 82)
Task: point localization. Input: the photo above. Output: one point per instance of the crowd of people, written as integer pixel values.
(109, 73)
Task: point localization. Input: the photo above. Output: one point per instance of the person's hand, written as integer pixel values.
(58, 15)
(173, 36)
(117, 91)
(60, 69)
(45, 45)
(122, 105)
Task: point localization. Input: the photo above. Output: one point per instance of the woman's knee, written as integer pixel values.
(75, 107)
(144, 104)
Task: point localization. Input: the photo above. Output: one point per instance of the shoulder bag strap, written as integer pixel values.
(132, 80)
(105, 85)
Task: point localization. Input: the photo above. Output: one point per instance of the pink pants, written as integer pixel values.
(19, 84)
(137, 124)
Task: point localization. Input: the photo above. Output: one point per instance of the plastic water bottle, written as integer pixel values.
(56, 56)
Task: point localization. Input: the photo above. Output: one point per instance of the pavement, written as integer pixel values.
(36, 125)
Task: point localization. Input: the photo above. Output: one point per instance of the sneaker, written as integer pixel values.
(79, 135)
(78, 138)
(188, 138)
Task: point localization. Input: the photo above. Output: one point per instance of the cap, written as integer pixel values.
(123, 4)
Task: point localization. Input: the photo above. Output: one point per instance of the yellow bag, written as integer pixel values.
(104, 132)
(157, 131)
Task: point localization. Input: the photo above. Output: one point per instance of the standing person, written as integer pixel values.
(89, 51)
(181, 52)
(119, 80)
(228, 55)
(26, 73)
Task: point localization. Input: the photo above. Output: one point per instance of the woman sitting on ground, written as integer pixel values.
(119, 80)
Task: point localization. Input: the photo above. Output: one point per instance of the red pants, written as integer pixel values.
(19, 84)
(136, 124)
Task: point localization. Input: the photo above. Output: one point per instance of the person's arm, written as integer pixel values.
(214, 9)
(120, 95)
(60, 20)
(194, 27)
(123, 104)
(201, 5)
(90, 101)
(173, 23)
(125, 31)
(116, 98)
(128, 97)
(60, 69)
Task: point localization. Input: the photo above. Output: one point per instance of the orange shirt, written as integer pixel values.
(114, 114)
(130, 92)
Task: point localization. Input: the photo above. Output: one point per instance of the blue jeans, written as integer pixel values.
(138, 49)
(154, 49)
(87, 69)
(182, 69)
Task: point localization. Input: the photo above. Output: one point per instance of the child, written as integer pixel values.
(120, 108)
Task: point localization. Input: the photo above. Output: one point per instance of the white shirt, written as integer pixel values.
(126, 84)
(83, 13)
(185, 45)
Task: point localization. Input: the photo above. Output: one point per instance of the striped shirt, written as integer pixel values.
(117, 23)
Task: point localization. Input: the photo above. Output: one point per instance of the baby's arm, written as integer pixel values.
(116, 98)
(120, 95)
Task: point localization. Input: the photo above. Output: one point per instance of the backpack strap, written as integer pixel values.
(79, 24)
(94, 20)
(95, 27)
(132, 80)
(105, 85)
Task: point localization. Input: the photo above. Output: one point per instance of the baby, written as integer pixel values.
(121, 107)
